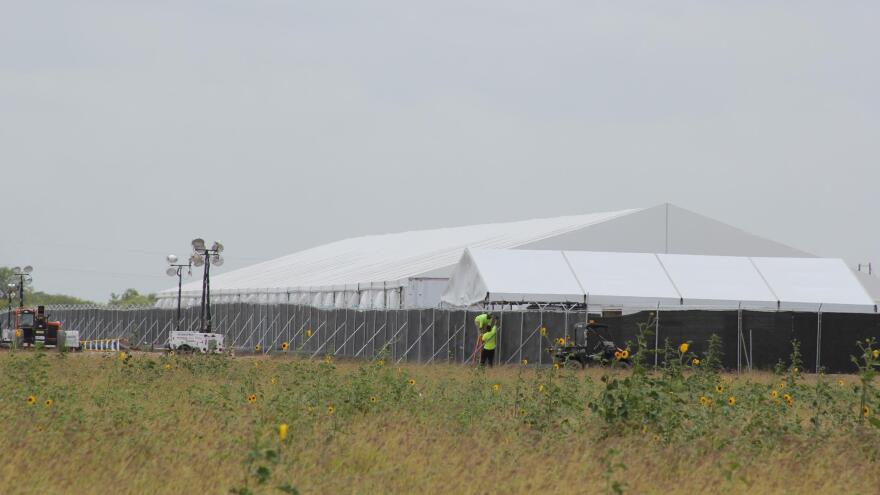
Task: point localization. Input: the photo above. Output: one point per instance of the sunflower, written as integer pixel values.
(31, 400)
(774, 394)
(560, 341)
(683, 348)
(719, 388)
(555, 366)
(731, 401)
(525, 362)
(285, 346)
(541, 387)
(781, 384)
(331, 409)
(18, 332)
(257, 348)
(618, 355)
(787, 399)
(624, 354)
(167, 366)
(411, 381)
(252, 398)
(282, 431)
(543, 331)
(875, 353)
(374, 399)
(381, 362)
(123, 356)
(49, 402)
(840, 382)
(309, 332)
(695, 362)
(866, 411)
(704, 401)
(328, 359)
(496, 387)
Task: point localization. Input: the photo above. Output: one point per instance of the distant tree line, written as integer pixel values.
(129, 297)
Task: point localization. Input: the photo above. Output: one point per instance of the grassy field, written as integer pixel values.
(148, 423)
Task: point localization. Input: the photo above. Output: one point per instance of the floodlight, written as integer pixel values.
(171, 258)
(217, 246)
(217, 260)
(17, 270)
(171, 271)
(198, 244)
(197, 260)
(28, 269)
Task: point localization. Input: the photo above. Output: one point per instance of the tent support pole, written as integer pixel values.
(739, 339)
(818, 336)
(657, 336)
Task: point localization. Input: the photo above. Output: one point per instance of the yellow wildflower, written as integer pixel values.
(525, 362)
(257, 348)
(781, 384)
(541, 387)
(731, 401)
(683, 348)
(252, 398)
(774, 394)
(18, 332)
(167, 366)
(282, 431)
(618, 355)
(543, 331)
(31, 400)
(624, 354)
(496, 387)
(787, 399)
(412, 381)
(309, 332)
(719, 388)
(866, 411)
(273, 381)
(555, 366)
(49, 402)
(704, 401)
(381, 362)
(840, 382)
(374, 399)
(875, 353)
(695, 362)
(331, 409)
(122, 356)
(285, 346)
(328, 359)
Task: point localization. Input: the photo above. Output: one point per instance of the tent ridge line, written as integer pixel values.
(668, 277)
(769, 287)
(573, 273)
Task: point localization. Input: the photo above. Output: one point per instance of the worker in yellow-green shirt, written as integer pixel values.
(489, 326)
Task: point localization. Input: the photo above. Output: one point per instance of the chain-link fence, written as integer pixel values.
(751, 339)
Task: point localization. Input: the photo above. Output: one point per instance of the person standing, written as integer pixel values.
(490, 340)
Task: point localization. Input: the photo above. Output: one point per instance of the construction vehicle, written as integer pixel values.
(595, 349)
(34, 328)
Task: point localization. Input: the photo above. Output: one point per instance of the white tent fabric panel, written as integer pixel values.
(716, 280)
(813, 281)
(513, 275)
(613, 277)
(631, 279)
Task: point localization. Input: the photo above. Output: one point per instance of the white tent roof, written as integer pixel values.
(647, 280)
(391, 257)
(367, 272)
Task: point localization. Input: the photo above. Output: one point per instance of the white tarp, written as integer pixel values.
(717, 280)
(609, 278)
(638, 279)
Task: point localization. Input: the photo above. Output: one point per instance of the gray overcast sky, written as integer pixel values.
(129, 127)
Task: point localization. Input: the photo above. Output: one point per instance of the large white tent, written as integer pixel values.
(641, 280)
(411, 269)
